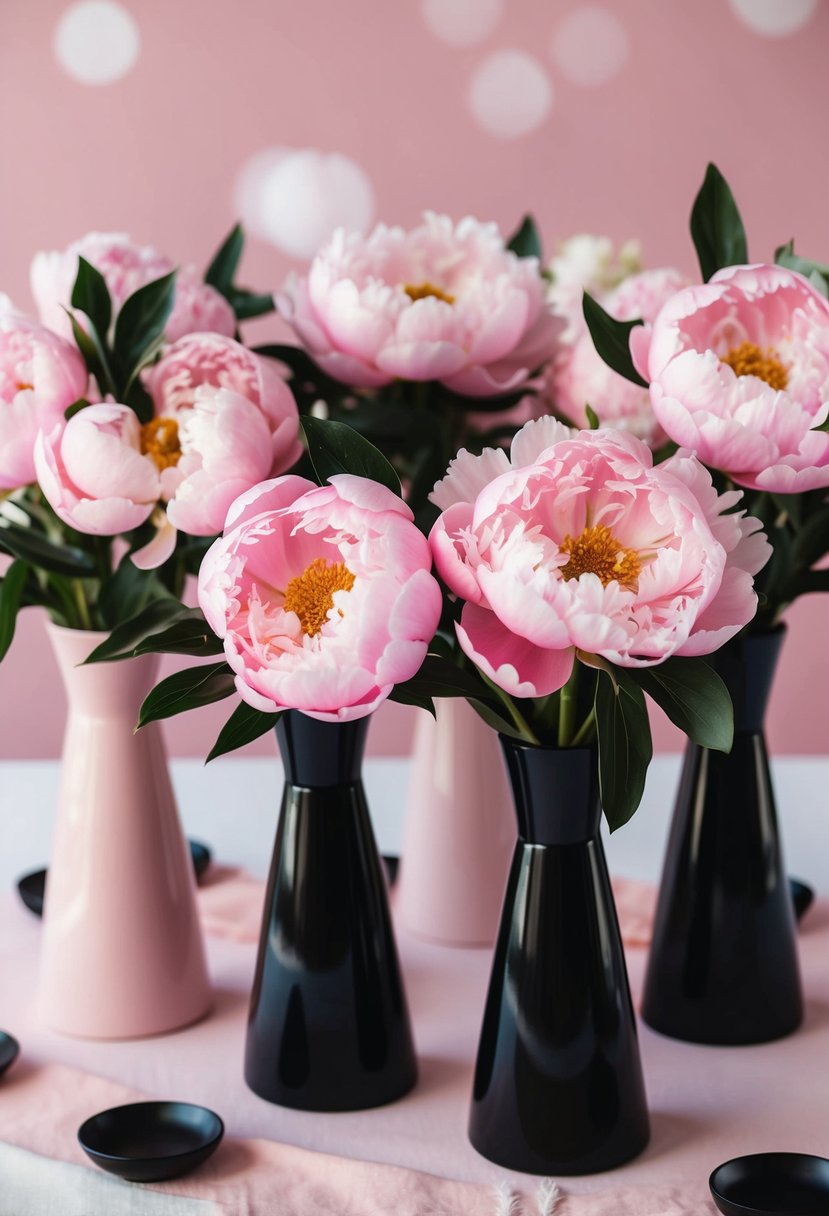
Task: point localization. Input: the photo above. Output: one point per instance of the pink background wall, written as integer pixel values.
(166, 120)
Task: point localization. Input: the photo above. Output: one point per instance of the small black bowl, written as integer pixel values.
(772, 1184)
(151, 1141)
(9, 1048)
(802, 896)
(31, 887)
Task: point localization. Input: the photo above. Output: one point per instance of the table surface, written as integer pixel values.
(707, 1104)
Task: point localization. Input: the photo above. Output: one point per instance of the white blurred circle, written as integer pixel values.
(510, 94)
(774, 18)
(295, 199)
(590, 45)
(96, 41)
(462, 22)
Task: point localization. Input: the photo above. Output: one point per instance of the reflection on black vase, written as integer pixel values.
(558, 1084)
(723, 966)
(328, 1026)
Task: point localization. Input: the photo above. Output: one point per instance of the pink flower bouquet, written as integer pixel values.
(122, 448)
(585, 575)
(737, 370)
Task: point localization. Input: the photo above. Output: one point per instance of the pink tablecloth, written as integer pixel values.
(707, 1103)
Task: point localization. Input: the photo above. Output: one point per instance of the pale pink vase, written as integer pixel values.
(122, 953)
(460, 830)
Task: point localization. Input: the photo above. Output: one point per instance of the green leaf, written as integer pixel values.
(592, 417)
(91, 295)
(497, 721)
(716, 227)
(128, 591)
(404, 696)
(335, 447)
(12, 587)
(222, 270)
(75, 408)
(139, 326)
(158, 615)
(189, 689)
(93, 355)
(525, 241)
(243, 726)
(247, 304)
(440, 677)
(611, 339)
(36, 549)
(190, 634)
(625, 747)
(811, 542)
(785, 255)
(694, 698)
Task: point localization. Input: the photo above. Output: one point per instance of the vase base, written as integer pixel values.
(598, 1162)
(146, 1028)
(333, 1103)
(720, 1036)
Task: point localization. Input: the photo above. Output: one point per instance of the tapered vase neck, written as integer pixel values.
(319, 755)
(556, 792)
(747, 665)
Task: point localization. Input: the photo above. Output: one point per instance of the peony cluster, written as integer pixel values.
(125, 266)
(739, 371)
(578, 544)
(578, 376)
(224, 420)
(323, 595)
(445, 302)
(586, 263)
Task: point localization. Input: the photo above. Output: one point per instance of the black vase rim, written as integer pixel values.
(772, 631)
(523, 745)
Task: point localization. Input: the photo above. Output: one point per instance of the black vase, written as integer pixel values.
(723, 965)
(558, 1081)
(328, 1026)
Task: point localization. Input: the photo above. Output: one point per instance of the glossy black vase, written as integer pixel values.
(558, 1082)
(723, 965)
(328, 1026)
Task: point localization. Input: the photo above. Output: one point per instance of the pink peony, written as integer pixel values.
(93, 473)
(441, 302)
(579, 376)
(216, 362)
(580, 543)
(105, 473)
(40, 375)
(126, 267)
(739, 371)
(586, 263)
(323, 596)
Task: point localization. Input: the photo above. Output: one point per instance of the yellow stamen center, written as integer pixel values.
(160, 441)
(311, 594)
(21, 386)
(597, 551)
(748, 359)
(422, 291)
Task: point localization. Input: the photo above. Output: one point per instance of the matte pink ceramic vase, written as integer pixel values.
(122, 953)
(460, 830)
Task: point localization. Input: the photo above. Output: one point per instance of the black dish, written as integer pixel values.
(772, 1184)
(802, 896)
(31, 886)
(9, 1047)
(151, 1141)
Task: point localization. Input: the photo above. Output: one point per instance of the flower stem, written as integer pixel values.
(567, 712)
(585, 731)
(80, 601)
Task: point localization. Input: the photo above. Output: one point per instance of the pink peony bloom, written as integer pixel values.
(93, 472)
(323, 596)
(580, 544)
(578, 376)
(106, 473)
(214, 361)
(126, 267)
(40, 375)
(441, 302)
(739, 371)
(586, 263)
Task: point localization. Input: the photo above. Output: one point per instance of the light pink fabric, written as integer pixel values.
(230, 905)
(43, 1107)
